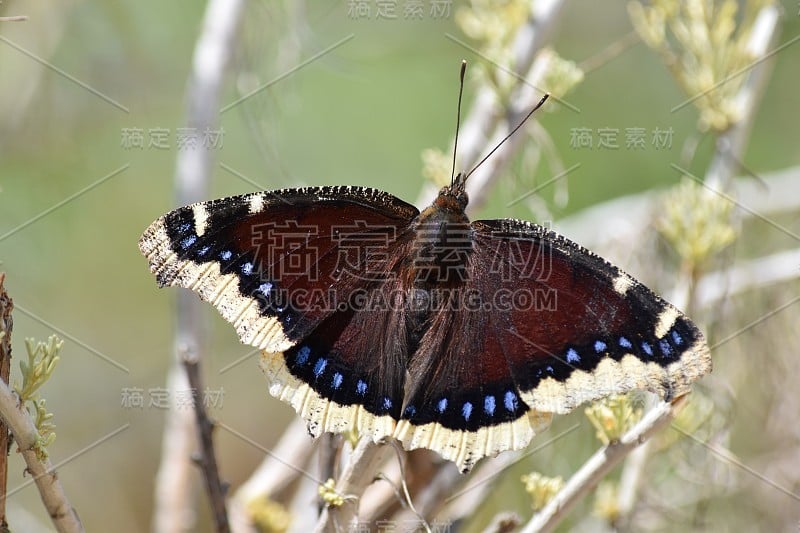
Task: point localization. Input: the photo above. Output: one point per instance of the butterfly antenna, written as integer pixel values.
(458, 118)
(507, 137)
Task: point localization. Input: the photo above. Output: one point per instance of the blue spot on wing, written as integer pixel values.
(647, 348)
(337, 380)
(489, 405)
(387, 403)
(361, 388)
(225, 255)
(319, 366)
(666, 349)
(301, 357)
(600, 346)
(510, 401)
(466, 410)
(264, 288)
(676, 338)
(188, 241)
(573, 357)
(442, 405)
(625, 343)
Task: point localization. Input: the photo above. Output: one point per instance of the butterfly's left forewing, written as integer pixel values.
(312, 277)
(269, 262)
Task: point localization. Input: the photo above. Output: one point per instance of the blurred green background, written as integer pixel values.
(360, 115)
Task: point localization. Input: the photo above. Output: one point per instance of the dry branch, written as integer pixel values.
(174, 495)
(486, 124)
(599, 464)
(357, 476)
(27, 437)
(207, 459)
(274, 478)
(6, 326)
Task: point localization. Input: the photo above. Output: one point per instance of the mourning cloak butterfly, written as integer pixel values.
(461, 337)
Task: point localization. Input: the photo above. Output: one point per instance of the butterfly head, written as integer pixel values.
(454, 196)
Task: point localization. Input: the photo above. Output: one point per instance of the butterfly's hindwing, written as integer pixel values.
(354, 361)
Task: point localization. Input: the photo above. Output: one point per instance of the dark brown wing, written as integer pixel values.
(544, 325)
(269, 260)
(349, 373)
(308, 276)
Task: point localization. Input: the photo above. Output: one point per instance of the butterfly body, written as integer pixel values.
(462, 337)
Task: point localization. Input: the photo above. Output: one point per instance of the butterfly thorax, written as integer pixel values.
(442, 242)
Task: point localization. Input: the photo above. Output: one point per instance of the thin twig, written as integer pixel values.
(430, 480)
(753, 274)
(283, 465)
(6, 327)
(626, 219)
(276, 477)
(484, 124)
(357, 476)
(731, 144)
(599, 464)
(61, 512)
(630, 481)
(174, 498)
(15, 18)
(174, 495)
(330, 447)
(633, 467)
(208, 459)
(17, 418)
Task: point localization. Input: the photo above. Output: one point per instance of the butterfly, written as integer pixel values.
(463, 337)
